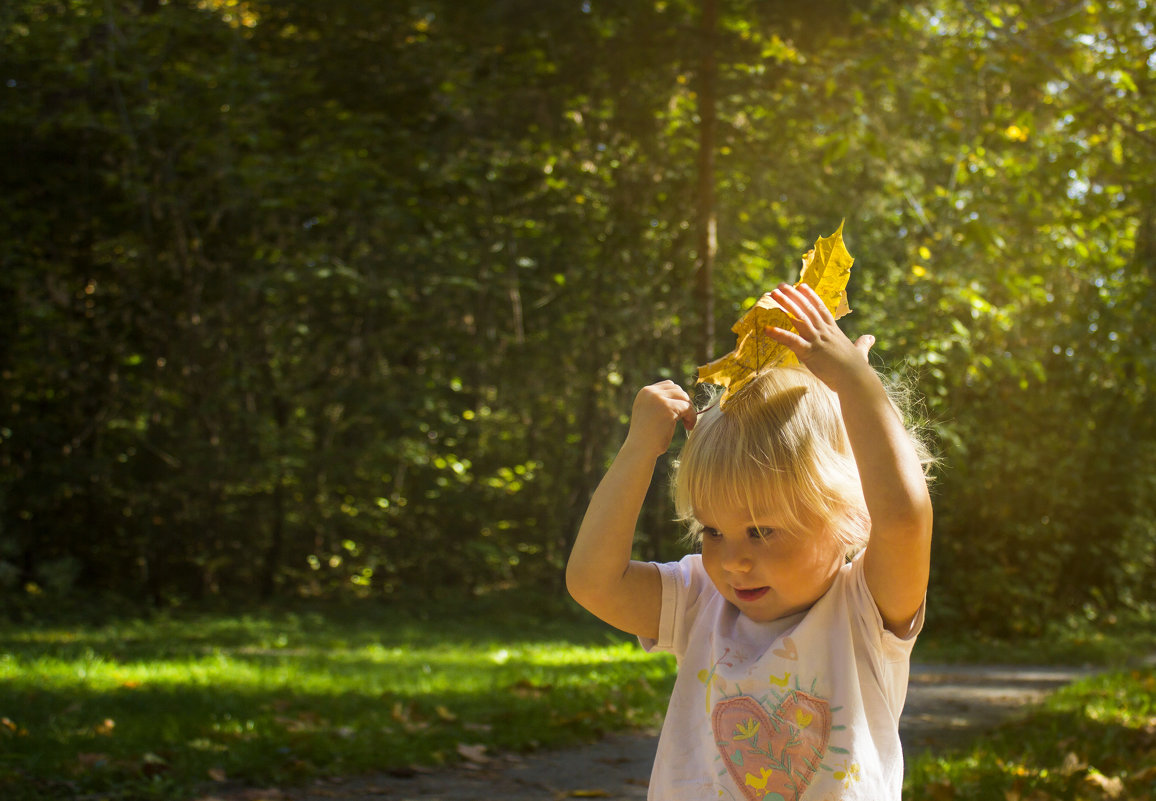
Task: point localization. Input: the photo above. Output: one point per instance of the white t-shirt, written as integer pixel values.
(803, 707)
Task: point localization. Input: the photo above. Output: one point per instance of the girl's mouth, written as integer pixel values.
(748, 596)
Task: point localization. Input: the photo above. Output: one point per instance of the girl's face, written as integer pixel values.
(767, 572)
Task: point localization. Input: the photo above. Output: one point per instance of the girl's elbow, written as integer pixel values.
(578, 585)
(909, 527)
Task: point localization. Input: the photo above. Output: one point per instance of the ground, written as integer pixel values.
(945, 706)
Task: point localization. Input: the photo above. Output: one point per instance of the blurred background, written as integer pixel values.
(350, 299)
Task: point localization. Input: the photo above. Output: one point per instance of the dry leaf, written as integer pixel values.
(524, 688)
(1112, 786)
(826, 269)
(7, 724)
(1072, 764)
(218, 775)
(473, 753)
(1146, 775)
(153, 765)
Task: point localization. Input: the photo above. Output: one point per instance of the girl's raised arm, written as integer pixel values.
(898, 555)
(600, 575)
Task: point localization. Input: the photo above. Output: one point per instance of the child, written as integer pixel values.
(794, 627)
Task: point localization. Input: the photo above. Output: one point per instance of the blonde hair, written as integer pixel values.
(778, 449)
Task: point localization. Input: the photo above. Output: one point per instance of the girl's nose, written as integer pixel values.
(736, 558)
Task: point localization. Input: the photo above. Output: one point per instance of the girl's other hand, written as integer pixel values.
(819, 342)
(658, 408)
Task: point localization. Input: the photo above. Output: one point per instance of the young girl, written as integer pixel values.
(794, 627)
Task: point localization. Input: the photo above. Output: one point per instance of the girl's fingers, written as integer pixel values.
(689, 417)
(788, 338)
(679, 402)
(817, 304)
(784, 298)
(793, 302)
(804, 306)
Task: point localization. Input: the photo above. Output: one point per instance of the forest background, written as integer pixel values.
(350, 299)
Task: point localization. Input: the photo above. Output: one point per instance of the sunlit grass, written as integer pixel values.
(151, 709)
(165, 708)
(1095, 739)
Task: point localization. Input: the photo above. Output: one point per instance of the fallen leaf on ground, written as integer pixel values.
(473, 753)
(524, 688)
(826, 269)
(218, 775)
(1146, 775)
(1072, 764)
(153, 765)
(1111, 786)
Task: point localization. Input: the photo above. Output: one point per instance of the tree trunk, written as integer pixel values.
(276, 545)
(707, 222)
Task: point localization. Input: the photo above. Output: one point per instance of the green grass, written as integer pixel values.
(1095, 739)
(135, 709)
(166, 707)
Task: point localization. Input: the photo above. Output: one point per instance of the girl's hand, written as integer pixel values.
(819, 344)
(657, 410)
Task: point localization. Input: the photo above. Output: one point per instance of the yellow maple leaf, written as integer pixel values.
(826, 269)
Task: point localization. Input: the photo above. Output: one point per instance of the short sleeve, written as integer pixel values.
(889, 654)
(891, 646)
(682, 585)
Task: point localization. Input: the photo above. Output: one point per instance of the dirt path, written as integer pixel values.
(946, 705)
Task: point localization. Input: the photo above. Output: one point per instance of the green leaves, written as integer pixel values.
(314, 274)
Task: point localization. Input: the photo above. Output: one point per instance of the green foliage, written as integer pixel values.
(1083, 638)
(350, 300)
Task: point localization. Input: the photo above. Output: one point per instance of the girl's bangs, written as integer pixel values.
(732, 475)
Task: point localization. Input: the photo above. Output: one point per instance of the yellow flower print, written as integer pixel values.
(747, 730)
(849, 774)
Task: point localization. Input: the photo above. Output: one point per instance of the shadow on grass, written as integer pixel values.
(148, 709)
(326, 626)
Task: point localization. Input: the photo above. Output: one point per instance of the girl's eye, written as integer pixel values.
(709, 533)
(758, 533)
